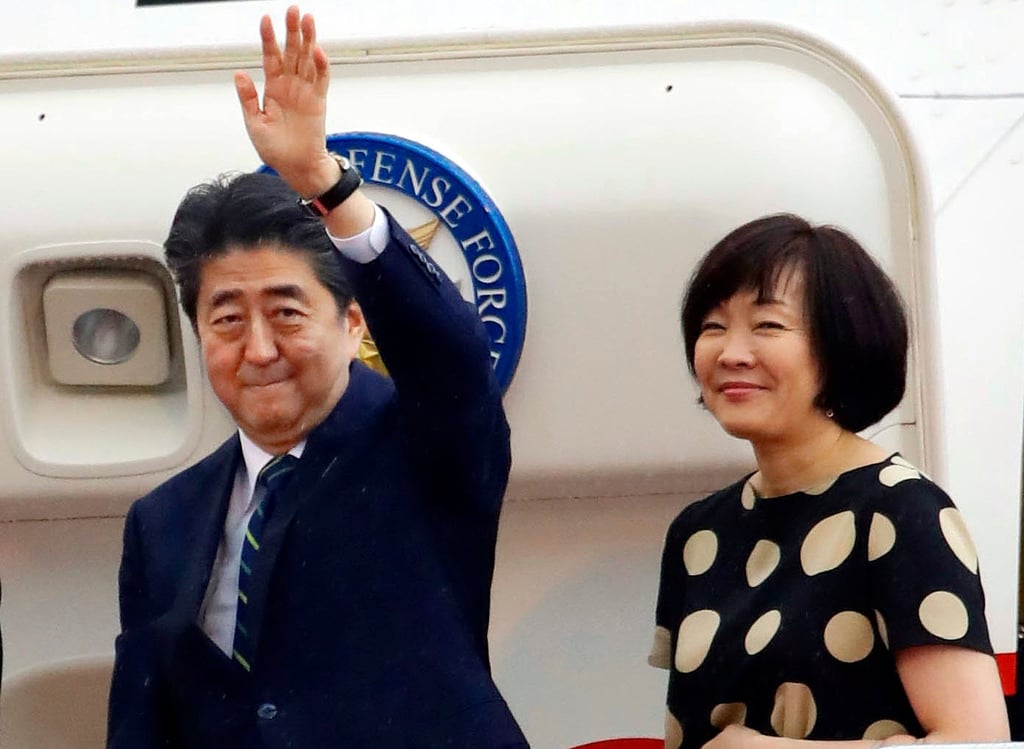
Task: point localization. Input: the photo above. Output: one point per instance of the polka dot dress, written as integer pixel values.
(782, 613)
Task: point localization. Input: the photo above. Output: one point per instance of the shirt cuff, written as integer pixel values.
(367, 244)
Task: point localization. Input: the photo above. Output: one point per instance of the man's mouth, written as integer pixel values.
(262, 378)
(266, 384)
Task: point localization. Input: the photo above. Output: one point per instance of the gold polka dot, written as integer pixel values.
(944, 615)
(748, 497)
(794, 713)
(883, 729)
(762, 631)
(881, 536)
(728, 714)
(849, 636)
(892, 475)
(821, 487)
(699, 552)
(696, 632)
(883, 630)
(828, 543)
(954, 529)
(762, 562)
(673, 731)
(661, 649)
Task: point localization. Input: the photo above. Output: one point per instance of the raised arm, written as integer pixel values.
(432, 341)
(289, 130)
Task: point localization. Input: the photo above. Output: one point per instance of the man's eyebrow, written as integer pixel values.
(288, 291)
(223, 297)
(284, 290)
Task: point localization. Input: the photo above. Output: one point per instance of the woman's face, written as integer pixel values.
(757, 373)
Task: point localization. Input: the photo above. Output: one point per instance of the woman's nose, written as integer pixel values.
(737, 349)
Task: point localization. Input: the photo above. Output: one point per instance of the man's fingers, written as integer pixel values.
(271, 52)
(308, 29)
(323, 71)
(292, 40)
(247, 96)
(307, 66)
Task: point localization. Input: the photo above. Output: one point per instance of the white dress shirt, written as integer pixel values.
(220, 605)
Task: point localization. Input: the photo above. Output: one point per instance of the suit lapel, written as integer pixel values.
(329, 451)
(207, 509)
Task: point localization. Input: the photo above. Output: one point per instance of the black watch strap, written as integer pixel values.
(347, 184)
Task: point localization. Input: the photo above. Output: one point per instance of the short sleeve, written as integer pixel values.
(670, 592)
(923, 566)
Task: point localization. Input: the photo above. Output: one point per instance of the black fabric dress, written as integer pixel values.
(782, 613)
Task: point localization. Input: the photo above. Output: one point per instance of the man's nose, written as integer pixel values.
(260, 343)
(737, 349)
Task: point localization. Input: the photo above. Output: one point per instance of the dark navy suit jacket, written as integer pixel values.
(375, 568)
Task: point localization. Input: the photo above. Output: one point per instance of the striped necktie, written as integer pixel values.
(272, 479)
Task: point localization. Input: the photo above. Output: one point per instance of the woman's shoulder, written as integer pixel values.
(896, 480)
(712, 508)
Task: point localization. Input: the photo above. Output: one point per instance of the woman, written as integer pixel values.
(833, 593)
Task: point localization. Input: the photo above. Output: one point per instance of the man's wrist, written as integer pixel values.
(353, 216)
(346, 185)
(320, 178)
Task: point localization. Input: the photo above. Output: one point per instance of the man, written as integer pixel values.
(340, 600)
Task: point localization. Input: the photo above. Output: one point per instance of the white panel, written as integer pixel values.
(75, 689)
(917, 46)
(981, 265)
(573, 616)
(958, 136)
(610, 205)
(59, 589)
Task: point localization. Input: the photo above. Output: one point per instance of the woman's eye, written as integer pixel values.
(708, 325)
(769, 325)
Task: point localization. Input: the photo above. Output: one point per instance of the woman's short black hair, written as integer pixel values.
(857, 321)
(247, 212)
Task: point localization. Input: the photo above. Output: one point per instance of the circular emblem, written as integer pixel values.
(455, 221)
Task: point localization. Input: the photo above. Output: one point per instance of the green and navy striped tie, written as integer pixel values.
(272, 480)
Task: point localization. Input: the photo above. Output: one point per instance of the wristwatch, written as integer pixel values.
(347, 184)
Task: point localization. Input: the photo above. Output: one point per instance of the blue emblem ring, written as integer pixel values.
(468, 212)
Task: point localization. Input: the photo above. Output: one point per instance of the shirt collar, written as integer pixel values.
(256, 457)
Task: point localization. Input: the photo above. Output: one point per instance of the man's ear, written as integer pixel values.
(353, 321)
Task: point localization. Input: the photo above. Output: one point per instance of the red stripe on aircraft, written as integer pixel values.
(1007, 663)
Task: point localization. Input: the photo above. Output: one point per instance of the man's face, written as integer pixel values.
(276, 348)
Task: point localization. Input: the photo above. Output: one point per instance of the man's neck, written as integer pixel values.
(255, 456)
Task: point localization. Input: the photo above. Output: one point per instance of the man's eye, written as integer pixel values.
(227, 320)
(288, 312)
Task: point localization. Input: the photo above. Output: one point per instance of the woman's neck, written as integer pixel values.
(787, 466)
